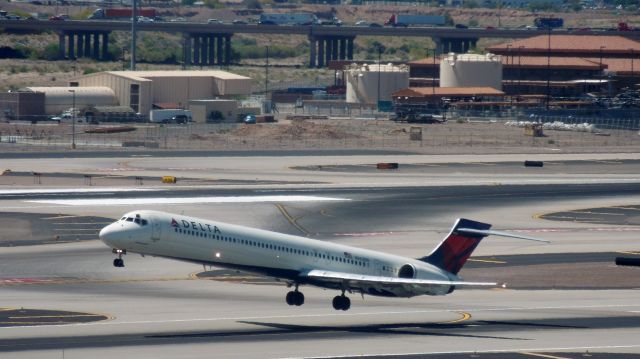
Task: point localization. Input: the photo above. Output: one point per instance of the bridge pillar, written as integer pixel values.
(313, 43)
(196, 50)
(212, 50)
(72, 53)
(105, 45)
(219, 47)
(186, 49)
(96, 46)
(204, 49)
(79, 44)
(61, 44)
(87, 44)
(227, 49)
(321, 45)
(446, 45)
(323, 49)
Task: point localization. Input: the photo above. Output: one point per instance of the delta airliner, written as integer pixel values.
(299, 260)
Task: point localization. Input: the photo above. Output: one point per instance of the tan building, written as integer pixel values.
(142, 89)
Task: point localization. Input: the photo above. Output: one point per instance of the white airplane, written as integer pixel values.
(298, 260)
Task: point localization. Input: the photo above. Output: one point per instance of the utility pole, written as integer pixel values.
(548, 65)
(73, 120)
(134, 19)
(266, 72)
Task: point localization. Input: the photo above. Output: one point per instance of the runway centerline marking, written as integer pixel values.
(543, 355)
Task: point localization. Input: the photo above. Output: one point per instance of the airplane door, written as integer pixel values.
(377, 268)
(155, 229)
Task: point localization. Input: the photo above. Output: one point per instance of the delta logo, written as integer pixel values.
(195, 226)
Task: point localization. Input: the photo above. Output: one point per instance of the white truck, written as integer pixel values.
(170, 116)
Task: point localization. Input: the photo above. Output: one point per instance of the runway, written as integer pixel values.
(561, 299)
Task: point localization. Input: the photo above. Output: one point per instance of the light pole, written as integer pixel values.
(380, 51)
(435, 71)
(508, 69)
(73, 120)
(631, 50)
(548, 65)
(520, 48)
(601, 71)
(266, 71)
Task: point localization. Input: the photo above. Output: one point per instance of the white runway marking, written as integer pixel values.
(183, 200)
(74, 190)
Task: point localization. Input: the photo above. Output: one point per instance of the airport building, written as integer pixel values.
(564, 65)
(141, 91)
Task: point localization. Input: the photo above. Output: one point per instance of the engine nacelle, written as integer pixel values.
(407, 271)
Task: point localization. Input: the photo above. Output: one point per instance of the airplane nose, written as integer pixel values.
(107, 234)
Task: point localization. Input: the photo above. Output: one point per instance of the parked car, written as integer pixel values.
(180, 119)
(215, 21)
(461, 26)
(144, 19)
(239, 22)
(56, 18)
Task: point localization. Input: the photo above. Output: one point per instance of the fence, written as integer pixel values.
(341, 134)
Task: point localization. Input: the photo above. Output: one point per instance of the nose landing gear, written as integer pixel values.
(295, 298)
(119, 262)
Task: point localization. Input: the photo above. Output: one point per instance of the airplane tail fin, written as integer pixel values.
(452, 253)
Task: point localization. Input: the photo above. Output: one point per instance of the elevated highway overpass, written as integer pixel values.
(210, 44)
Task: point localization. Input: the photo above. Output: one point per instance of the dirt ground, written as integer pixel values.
(450, 137)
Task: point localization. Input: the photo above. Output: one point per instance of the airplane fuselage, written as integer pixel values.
(268, 253)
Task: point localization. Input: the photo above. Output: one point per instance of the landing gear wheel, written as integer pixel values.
(119, 262)
(295, 298)
(341, 302)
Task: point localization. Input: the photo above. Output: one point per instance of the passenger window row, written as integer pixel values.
(273, 247)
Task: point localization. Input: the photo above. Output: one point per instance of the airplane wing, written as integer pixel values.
(351, 280)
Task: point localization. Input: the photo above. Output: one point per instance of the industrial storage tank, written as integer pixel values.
(362, 82)
(471, 70)
(59, 99)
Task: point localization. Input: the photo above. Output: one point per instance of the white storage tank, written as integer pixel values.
(471, 70)
(362, 82)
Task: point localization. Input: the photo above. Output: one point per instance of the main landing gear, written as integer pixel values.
(341, 302)
(295, 298)
(119, 262)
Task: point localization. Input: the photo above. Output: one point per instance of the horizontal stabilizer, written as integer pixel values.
(488, 232)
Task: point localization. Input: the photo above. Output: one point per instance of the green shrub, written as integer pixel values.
(50, 52)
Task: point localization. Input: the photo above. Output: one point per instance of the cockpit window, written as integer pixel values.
(144, 222)
(129, 219)
(123, 218)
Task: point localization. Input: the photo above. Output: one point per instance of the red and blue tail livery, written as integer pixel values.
(456, 248)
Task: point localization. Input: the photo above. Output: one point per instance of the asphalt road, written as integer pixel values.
(562, 299)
